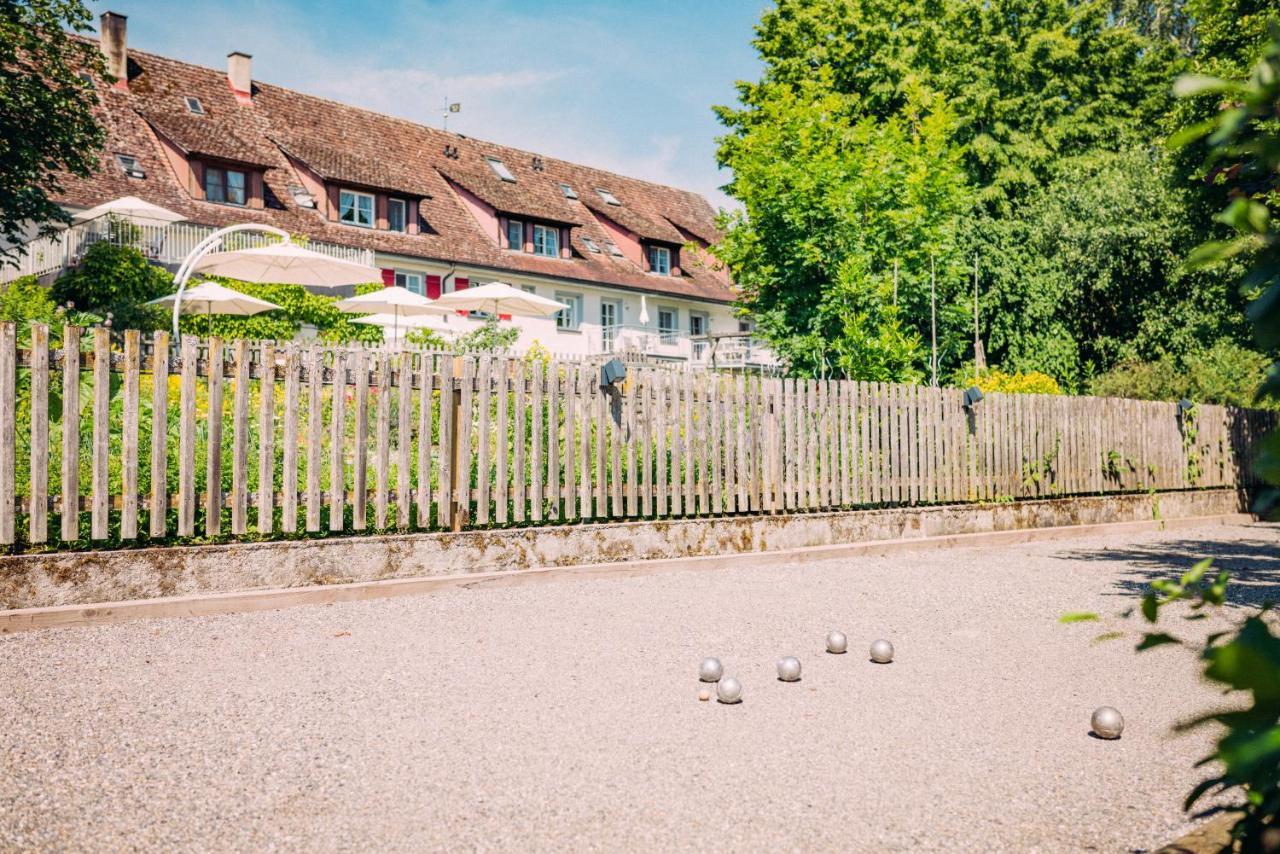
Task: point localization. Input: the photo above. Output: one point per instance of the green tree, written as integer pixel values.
(832, 200)
(116, 281)
(298, 307)
(46, 112)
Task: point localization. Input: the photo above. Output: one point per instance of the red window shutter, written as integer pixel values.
(461, 284)
(504, 317)
(388, 278)
(433, 287)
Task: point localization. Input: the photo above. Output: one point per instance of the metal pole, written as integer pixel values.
(204, 247)
(895, 281)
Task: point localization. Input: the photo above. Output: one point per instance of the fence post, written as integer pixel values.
(460, 480)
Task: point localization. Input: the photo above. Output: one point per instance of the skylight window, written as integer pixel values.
(500, 169)
(194, 106)
(87, 78)
(130, 166)
(613, 249)
(590, 244)
(609, 198)
(568, 191)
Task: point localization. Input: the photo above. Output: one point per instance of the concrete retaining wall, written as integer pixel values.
(30, 581)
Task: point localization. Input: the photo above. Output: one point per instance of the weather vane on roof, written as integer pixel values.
(450, 107)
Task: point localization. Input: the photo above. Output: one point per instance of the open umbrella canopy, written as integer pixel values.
(394, 301)
(133, 209)
(286, 264)
(500, 298)
(212, 298)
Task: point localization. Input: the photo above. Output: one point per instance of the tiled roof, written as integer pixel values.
(346, 144)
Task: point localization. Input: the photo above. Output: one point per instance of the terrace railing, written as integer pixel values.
(163, 244)
(109, 437)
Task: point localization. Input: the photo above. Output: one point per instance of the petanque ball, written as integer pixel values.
(710, 670)
(704, 694)
(882, 652)
(837, 643)
(729, 690)
(1107, 722)
(789, 669)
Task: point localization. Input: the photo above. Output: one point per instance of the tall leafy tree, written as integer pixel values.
(832, 198)
(46, 111)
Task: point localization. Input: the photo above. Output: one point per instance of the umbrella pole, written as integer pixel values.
(208, 314)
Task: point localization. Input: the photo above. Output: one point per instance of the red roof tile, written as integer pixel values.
(346, 144)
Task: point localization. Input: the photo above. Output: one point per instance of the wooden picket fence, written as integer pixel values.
(212, 438)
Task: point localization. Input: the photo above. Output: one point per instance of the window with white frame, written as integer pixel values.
(411, 281)
(224, 186)
(397, 210)
(668, 324)
(660, 260)
(570, 317)
(355, 208)
(546, 241)
(515, 235)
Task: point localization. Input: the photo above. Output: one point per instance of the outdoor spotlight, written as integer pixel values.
(612, 372)
(1184, 406)
(972, 395)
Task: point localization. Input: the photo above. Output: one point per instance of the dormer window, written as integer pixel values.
(130, 166)
(546, 241)
(397, 219)
(224, 186)
(660, 260)
(355, 208)
(500, 169)
(568, 191)
(608, 197)
(194, 106)
(515, 235)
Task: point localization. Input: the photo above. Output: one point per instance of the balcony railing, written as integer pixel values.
(163, 244)
(662, 343)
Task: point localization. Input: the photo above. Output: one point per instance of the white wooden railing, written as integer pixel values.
(163, 244)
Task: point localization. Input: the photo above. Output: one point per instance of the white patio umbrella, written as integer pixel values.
(133, 209)
(500, 298)
(286, 264)
(644, 311)
(396, 302)
(210, 298)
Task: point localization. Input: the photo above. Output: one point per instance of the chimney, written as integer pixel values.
(114, 40)
(240, 75)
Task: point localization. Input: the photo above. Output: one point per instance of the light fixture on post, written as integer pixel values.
(1184, 406)
(972, 396)
(612, 373)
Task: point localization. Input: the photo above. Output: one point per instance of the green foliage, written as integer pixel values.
(298, 306)
(115, 281)
(424, 338)
(1037, 133)
(25, 301)
(1225, 373)
(832, 198)
(994, 379)
(46, 112)
(492, 337)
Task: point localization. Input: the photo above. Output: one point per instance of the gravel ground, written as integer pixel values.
(564, 715)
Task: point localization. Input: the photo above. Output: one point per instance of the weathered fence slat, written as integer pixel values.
(101, 448)
(240, 439)
(266, 439)
(360, 455)
(213, 455)
(38, 506)
(129, 435)
(289, 443)
(187, 438)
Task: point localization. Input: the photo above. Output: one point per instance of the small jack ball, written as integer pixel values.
(704, 695)
(1107, 722)
(837, 643)
(710, 670)
(729, 691)
(789, 669)
(882, 652)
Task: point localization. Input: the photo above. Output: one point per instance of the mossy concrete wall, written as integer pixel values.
(79, 578)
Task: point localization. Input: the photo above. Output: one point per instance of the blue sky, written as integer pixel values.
(625, 86)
